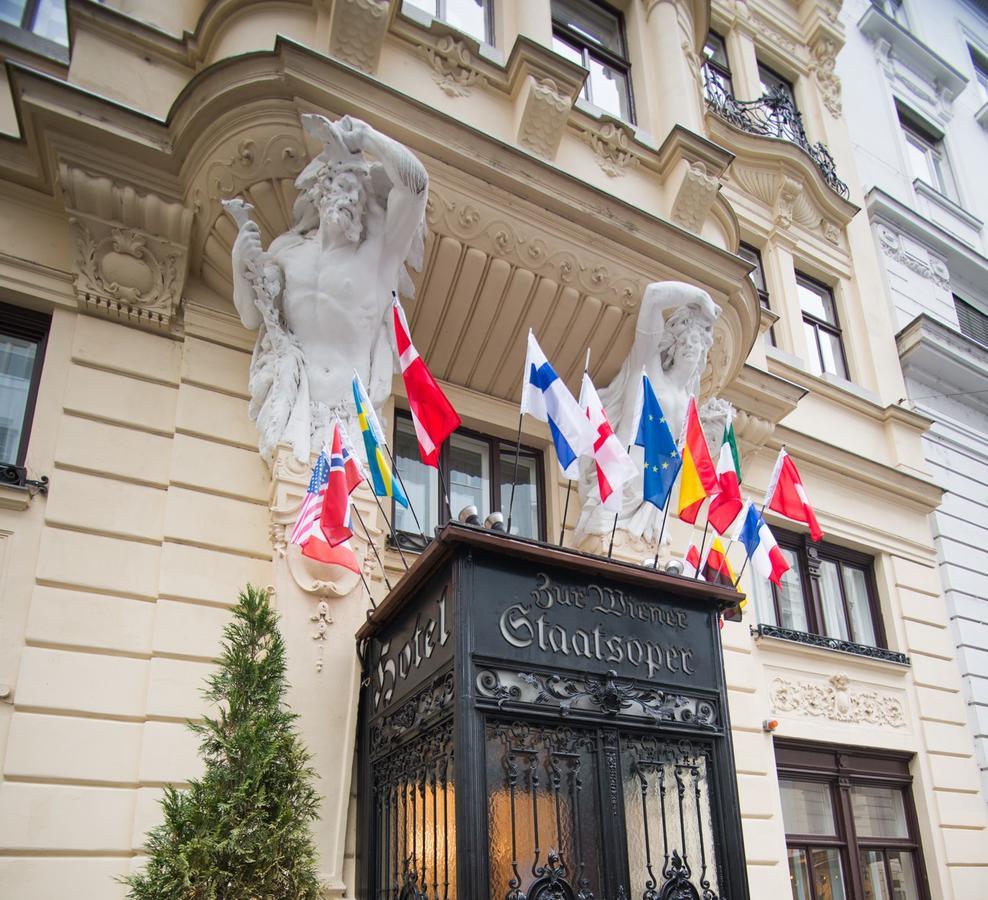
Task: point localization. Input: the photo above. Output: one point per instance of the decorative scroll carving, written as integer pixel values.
(322, 620)
(608, 694)
(357, 32)
(785, 195)
(835, 700)
(931, 268)
(131, 249)
(543, 119)
(752, 429)
(696, 195)
(452, 66)
(824, 63)
(611, 145)
(415, 714)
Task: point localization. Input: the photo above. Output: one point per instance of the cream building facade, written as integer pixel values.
(554, 199)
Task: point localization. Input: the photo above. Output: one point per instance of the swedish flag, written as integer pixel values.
(384, 484)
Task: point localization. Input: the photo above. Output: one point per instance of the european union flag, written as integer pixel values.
(662, 460)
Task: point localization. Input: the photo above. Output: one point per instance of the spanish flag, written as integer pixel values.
(381, 478)
(698, 479)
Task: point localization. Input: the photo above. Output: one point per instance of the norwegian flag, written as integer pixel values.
(344, 477)
(614, 466)
(432, 414)
(307, 532)
(787, 496)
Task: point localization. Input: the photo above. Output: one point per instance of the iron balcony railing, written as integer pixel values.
(772, 115)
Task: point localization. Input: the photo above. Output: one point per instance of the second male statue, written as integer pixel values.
(320, 295)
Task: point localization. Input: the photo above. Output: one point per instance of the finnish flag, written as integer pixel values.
(545, 397)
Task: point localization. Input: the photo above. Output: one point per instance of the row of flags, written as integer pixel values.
(579, 429)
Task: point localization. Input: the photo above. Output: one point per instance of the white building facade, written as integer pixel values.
(921, 139)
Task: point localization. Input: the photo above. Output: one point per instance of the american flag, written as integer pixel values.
(307, 524)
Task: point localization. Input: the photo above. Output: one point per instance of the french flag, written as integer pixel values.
(545, 397)
(759, 542)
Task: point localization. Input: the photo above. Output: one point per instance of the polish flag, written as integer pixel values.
(432, 414)
(787, 496)
(614, 465)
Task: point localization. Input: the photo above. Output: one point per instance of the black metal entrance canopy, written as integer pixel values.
(542, 724)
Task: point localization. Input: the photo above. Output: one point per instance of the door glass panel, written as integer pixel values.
(828, 879)
(525, 512)
(16, 366)
(421, 483)
(873, 878)
(859, 607)
(469, 475)
(799, 875)
(878, 812)
(902, 870)
(807, 807)
(792, 608)
(834, 620)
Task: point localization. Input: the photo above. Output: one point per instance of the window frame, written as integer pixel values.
(843, 768)
(763, 295)
(979, 62)
(722, 70)
(809, 558)
(932, 146)
(588, 49)
(494, 446)
(832, 328)
(28, 22)
(441, 16)
(27, 325)
(787, 84)
(968, 313)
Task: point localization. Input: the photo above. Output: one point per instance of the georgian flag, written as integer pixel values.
(787, 496)
(545, 397)
(614, 466)
(759, 543)
(432, 414)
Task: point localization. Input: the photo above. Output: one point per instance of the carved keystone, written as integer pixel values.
(357, 32)
(131, 249)
(696, 195)
(543, 118)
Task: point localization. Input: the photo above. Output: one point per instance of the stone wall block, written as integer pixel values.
(175, 688)
(189, 629)
(219, 468)
(101, 344)
(930, 671)
(930, 639)
(217, 416)
(121, 400)
(214, 366)
(50, 878)
(113, 450)
(217, 522)
(952, 773)
(939, 705)
(169, 753)
(210, 576)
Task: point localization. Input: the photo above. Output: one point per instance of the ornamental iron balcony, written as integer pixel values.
(772, 115)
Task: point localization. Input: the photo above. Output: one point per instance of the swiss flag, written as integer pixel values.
(787, 496)
(432, 414)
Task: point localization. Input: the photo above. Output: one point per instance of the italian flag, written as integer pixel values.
(724, 508)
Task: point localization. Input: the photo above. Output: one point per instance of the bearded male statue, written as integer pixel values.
(673, 353)
(320, 295)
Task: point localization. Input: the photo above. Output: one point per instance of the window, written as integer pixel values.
(828, 591)
(894, 9)
(757, 275)
(980, 63)
(479, 469)
(824, 346)
(23, 335)
(716, 65)
(592, 35)
(972, 322)
(850, 823)
(925, 157)
(773, 83)
(46, 18)
(473, 17)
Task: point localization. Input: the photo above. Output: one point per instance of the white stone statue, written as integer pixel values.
(320, 295)
(673, 352)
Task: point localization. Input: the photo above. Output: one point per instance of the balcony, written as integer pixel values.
(773, 115)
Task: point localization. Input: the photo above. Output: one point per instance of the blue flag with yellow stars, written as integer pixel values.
(662, 460)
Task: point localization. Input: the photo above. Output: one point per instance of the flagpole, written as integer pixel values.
(514, 474)
(401, 481)
(662, 528)
(562, 528)
(370, 596)
(703, 542)
(370, 541)
(391, 527)
(737, 580)
(442, 484)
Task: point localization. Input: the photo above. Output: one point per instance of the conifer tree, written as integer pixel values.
(241, 831)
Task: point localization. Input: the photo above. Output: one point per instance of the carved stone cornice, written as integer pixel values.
(357, 30)
(837, 699)
(611, 143)
(544, 114)
(131, 248)
(913, 255)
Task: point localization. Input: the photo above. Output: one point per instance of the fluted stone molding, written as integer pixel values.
(130, 248)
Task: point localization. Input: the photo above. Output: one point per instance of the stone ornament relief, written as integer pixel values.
(543, 120)
(452, 66)
(461, 218)
(131, 249)
(357, 32)
(611, 145)
(695, 197)
(932, 268)
(824, 63)
(785, 195)
(835, 700)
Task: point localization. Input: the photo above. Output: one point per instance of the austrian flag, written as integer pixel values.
(787, 496)
(614, 466)
(432, 414)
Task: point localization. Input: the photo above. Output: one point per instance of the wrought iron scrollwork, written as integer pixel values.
(418, 711)
(608, 693)
(821, 640)
(772, 115)
(16, 476)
